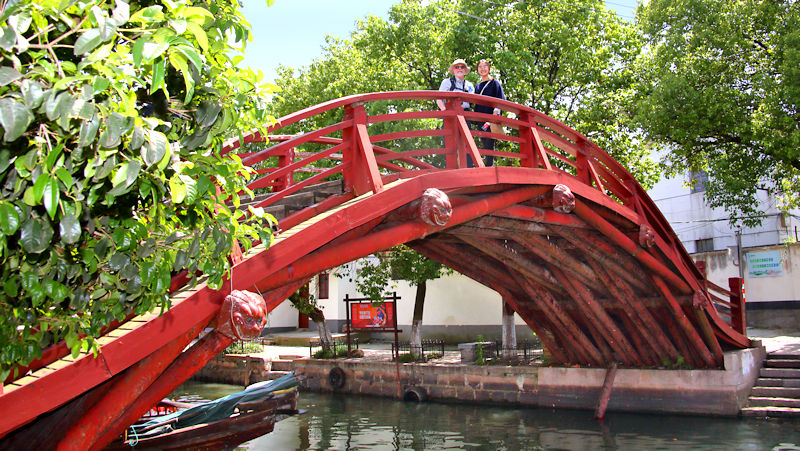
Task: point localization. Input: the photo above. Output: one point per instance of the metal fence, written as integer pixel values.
(525, 350)
(427, 350)
(339, 345)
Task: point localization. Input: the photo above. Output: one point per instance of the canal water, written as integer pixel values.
(345, 422)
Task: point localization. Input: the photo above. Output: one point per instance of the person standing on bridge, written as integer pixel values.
(489, 86)
(458, 82)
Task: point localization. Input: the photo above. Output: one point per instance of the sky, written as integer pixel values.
(292, 32)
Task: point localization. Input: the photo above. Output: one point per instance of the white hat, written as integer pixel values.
(459, 61)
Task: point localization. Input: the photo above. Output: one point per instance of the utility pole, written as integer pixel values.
(739, 253)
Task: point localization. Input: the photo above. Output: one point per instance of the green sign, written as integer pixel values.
(764, 263)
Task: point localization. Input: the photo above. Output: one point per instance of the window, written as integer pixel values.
(698, 181)
(322, 286)
(706, 245)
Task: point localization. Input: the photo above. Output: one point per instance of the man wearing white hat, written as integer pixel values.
(458, 70)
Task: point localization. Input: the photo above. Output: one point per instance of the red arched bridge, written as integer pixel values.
(562, 231)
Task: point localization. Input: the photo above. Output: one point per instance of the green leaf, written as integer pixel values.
(35, 235)
(138, 50)
(8, 37)
(9, 218)
(87, 42)
(88, 131)
(207, 113)
(199, 35)
(70, 229)
(192, 56)
(38, 187)
(116, 125)
(56, 106)
(159, 70)
(153, 50)
(52, 156)
(149, 14)
(32, 93)
(8, 74)
(118, 261)
(121, 13)
(137, 138)
(14, 117)
(191, 188)
(177, 189)
(51, 196)
(155, 148)
(100, 84)
(65, 177)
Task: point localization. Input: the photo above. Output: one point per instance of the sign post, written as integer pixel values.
(364, 315)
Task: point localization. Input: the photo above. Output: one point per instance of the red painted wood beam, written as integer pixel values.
(390, 237)
(124, 390)
(180, 370)
(686, 326)
(641, 316)
(622, 264)
(606, 325)
(589, 353)
(621, 240)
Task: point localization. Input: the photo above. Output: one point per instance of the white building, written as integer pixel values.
(767, 257)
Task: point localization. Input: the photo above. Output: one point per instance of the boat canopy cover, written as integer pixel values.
(213, 410)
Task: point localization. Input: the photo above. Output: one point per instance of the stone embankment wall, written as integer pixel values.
(702, 392)
(235, 369)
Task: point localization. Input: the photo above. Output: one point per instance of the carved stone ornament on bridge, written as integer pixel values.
(563, 199)
(647, 238)
(435, 208)
(699, 299)
(243, 315)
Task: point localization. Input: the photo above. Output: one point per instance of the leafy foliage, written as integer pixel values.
(376, 277)
(570, 61)
(113, 118)
(720, 90)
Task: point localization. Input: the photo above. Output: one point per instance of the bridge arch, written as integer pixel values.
(565, 234)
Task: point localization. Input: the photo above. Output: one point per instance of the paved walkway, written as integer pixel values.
(774, 340)
(777, 340)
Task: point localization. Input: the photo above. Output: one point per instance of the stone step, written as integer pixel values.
(780, 372)
(763, 401)
(783, 356)
(782, 363)
(765, 412)
(777, 382)
(780, 392)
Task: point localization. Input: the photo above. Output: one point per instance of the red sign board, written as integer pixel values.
(365, 315)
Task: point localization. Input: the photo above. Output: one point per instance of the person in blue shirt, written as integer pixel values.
(488, 86)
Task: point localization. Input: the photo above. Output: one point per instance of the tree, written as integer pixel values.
(720, 91)
(113, 118)
(306, 304)
(570, 61)
(403, 263)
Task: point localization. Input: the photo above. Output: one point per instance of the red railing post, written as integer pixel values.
(449, 125)
(285, 181)
(738, 322)
(360, 170)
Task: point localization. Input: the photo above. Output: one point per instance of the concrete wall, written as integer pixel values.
(771, 301)
(700, 392)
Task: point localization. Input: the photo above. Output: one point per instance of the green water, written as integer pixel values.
(342, 422)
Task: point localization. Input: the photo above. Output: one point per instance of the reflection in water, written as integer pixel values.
(344, 422)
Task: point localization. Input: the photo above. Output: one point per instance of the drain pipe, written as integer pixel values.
(605, 393)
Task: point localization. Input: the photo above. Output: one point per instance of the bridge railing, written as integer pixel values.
(377, 138)
(367, 160)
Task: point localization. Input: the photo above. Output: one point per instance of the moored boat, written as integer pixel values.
(223, 423)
